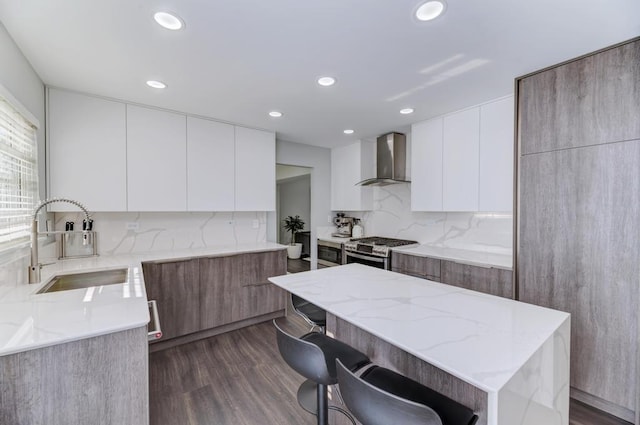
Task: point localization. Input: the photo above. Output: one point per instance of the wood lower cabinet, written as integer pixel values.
(413, 265)
(236, 287)
(102, 380)
(175, 285)
(205, 293)
(258, 295)
(489, 280)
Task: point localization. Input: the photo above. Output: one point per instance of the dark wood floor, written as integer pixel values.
(235, 378)
(298, 265)
(239, 378)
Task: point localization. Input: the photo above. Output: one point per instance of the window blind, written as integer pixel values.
(18, 173)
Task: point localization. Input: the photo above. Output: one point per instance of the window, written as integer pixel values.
(18, 171)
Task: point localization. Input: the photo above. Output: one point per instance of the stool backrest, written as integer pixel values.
(373, 406)
(304, 357)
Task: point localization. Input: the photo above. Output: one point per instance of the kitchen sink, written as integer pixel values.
(65, 282)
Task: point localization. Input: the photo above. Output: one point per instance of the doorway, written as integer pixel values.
(293, 197)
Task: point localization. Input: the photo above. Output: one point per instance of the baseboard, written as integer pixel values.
(173, 342)
(604, 405)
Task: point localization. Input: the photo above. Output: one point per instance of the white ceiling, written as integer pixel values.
(238, 59)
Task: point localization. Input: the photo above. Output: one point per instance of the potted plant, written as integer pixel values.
(293, 225)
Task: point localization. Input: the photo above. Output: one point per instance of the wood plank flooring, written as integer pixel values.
(239, 378)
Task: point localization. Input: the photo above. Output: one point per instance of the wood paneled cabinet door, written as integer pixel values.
(219, 297)
(176, 288)
(578, 245)
(413, 265)
(489, 280)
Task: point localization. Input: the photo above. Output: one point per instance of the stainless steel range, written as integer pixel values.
(373, 251)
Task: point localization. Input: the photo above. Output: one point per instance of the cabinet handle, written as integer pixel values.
(155, 332)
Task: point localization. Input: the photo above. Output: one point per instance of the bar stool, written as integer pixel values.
(311, 313)
(381, 396)
(314, 356)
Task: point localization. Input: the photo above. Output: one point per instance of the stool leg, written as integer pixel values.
(323, 405)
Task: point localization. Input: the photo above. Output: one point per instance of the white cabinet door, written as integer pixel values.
(350, 165)
(87, 151)
(426, 165)
(255, 170)
(210, 165)
(156, 160)
(460, 157)
(496, 155)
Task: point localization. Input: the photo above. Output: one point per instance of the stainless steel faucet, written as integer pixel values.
(35, 266)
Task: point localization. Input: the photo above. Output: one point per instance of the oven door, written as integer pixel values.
(330, 253)
(367, 260)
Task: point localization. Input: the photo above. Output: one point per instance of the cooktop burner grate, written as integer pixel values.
(377, 240)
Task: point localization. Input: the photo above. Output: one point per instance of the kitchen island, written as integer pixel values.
(507, 360)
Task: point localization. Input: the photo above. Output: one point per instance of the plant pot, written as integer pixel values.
(294, 251)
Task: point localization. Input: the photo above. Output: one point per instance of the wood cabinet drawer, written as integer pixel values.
(488, 280)
(413, 265)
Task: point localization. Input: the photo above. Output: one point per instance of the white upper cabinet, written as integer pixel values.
(113, 156)
(464, 161)
(156, 160)
(496, 155)
(350, 165)
(426, 165)
(87, 153)
(255, 170)
(460, 152)
(210, 165)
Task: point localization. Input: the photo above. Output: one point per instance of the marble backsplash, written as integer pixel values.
(392, 217)
(132, 233)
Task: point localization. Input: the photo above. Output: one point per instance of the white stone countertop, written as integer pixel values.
(29, 320)
(463, 256)
(479, 338)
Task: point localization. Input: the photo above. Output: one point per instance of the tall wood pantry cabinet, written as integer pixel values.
(578, 217)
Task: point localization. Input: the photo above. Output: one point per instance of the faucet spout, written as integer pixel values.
(34, 264)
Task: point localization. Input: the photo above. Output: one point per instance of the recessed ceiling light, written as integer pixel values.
(406, 111)
(168, 21)
(275, 114)
(430, 10)
(156, 84)
(348, 131)
(326, 81)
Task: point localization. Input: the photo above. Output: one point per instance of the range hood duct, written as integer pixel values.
(391, 158)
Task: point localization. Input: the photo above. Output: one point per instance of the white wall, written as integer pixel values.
(294, 198)
(319, 159)
(18, 77)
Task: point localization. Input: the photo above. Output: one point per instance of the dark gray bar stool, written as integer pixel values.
(382, 397)
(311, 313)
(314, 356)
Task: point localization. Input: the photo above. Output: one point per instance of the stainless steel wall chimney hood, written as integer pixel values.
(391, 161)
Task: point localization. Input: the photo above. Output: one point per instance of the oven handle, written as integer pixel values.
(362, 257)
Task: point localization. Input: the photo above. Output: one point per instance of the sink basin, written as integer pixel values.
(65, 282)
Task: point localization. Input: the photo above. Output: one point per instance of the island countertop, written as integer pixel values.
(29, 320)
(481, 339)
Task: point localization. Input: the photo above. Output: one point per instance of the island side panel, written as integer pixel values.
(387, 355)
(99, 381)
(539, 392)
